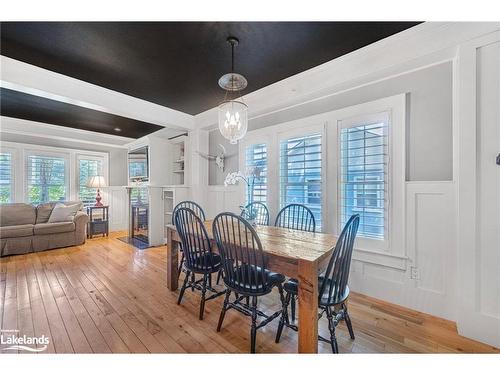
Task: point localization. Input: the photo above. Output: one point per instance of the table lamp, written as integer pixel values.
(97, 182)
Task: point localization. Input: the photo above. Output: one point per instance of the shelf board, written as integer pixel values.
(168, 213)
(179, 171)
(179, 161)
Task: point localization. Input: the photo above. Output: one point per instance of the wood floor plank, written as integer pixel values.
(60, 337)
(39, 316)
(105, 296)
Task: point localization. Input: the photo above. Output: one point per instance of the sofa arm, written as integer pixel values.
(81, 219)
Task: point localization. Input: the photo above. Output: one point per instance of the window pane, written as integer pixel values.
(363, 177)
(46, 178)
(300, 173)
(256, 164)
(5, 177)
(88, 168)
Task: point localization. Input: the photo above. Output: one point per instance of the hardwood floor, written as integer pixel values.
(107, 297)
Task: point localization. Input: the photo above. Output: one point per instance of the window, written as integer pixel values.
(5, 177)
(300, 173)
(45, 178)
(363, 175)
(256, 164)
(88, 167)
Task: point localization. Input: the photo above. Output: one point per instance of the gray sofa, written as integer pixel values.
(24, 228)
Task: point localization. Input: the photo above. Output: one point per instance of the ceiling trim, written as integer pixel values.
(30, 79)
(9, 125)
(406, 50)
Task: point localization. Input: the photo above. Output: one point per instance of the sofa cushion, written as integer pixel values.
(17, 214)
(13, 231)
(62, 213)
(43, 212)
(51, 228)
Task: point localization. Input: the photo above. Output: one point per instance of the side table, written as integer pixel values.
(98, 221)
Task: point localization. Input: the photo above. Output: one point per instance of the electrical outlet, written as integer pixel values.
(415, 274)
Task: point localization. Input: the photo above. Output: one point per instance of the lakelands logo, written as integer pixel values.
(22, 343)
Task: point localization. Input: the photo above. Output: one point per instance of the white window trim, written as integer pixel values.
(395, 106)
(13, 175)
(67, 168)
(104, 171)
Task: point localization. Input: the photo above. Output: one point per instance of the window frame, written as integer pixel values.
(314, 125)
(13, 175)
(45, 153)
(395, 107)
(352, 122)
(103, 158)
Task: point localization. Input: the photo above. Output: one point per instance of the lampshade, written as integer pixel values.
(233, 120)
(96, 182)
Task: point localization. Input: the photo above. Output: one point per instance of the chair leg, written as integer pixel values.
(331, 328)
(348, 321)
(183, 289)
(253, 331)
(219, 276)
(292, 307)
(284, 313)
(224, 309)
(203, 294)
(193, 280)
(179, 270)
(248, 300)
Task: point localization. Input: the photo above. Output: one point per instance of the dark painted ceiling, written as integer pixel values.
(178, 64)
(30, 107)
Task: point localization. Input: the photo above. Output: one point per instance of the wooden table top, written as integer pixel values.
(289, 243)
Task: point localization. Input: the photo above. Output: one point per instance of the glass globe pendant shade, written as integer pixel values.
(233, 120)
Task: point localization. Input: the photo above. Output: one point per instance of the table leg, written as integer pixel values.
(308, 307)
(172, 261)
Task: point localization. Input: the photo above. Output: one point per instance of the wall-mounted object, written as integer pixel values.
(138, 164)
(219, 158)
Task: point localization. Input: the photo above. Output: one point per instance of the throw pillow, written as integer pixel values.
(62, 213)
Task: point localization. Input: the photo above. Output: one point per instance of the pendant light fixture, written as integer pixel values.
(233, 112)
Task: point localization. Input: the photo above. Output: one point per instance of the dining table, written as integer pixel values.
(293, 253)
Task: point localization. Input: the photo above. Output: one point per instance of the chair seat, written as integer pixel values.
(254, 285)
(206, 263)
(292, 286)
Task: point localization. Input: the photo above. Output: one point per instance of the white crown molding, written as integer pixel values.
(20, 76)
(9, 125)
(412, 49)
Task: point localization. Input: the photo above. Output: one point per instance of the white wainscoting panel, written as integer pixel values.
(428, 281)
(221, 198)
(117, 199)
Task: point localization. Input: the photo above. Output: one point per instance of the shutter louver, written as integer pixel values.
(256, 160)
(5, 177)
(46, 178)
(300, 173)
(87, 169)
(363, 177)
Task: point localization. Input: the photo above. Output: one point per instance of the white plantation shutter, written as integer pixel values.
(45, 178)
(300, 173)
(5, 177)
(364, 185)
(88, 167)
(256, 158)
